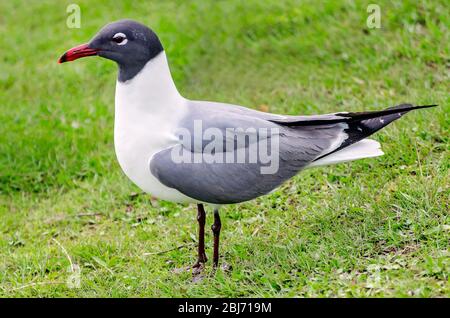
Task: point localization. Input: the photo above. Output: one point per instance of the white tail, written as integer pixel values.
(365, 148)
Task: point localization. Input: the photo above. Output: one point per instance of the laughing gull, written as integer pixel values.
(201, 152)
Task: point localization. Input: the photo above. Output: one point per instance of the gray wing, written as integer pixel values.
(223, 181)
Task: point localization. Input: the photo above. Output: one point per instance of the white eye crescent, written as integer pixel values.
(120, 38)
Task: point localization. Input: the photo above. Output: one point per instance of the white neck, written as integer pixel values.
(147, 113)
(151, 90)
(149, 105)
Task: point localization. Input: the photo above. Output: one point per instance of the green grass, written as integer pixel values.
(376, 227)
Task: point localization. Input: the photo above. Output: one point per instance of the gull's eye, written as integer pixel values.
(120, 38)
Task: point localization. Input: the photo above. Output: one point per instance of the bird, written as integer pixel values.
(211, 153)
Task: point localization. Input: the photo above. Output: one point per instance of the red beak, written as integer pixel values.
(76, 53)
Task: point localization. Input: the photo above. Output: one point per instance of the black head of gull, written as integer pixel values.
(129, 43)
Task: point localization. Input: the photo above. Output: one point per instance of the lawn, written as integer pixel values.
(72, 224)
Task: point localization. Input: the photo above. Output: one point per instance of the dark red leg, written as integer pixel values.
(216, 231)
(201, 218)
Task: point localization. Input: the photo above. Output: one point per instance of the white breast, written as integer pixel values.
(148, 108)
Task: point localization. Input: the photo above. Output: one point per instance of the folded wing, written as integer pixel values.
(299, 142)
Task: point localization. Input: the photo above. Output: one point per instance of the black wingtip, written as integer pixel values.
(425, 106)
(362, 125)
(408, 107)
(402, 109)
